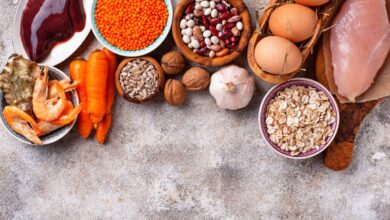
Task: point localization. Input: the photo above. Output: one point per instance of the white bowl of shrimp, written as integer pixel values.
(33, 130)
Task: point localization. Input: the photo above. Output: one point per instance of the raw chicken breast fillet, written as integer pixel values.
(359, 42)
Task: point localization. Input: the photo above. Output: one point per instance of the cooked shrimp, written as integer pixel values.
(44, 108)
(70, 114)
(22, 123)
(67, 85)
(47, 127)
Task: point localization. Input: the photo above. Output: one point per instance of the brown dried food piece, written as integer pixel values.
(339, 155)
(173, 63)
(174, 92)
(196, 79)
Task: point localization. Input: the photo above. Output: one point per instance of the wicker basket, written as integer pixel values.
(325, 16)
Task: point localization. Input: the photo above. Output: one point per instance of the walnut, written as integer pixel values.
(172, 63)
(196, 79)
(174, 92)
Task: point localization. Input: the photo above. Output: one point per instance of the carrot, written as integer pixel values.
(96, 79)
(104, 126)
(77, 71)
(110, 91)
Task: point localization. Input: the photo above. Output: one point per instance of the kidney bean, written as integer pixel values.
(228, 26)
(227, 41)
(190, 8)
(233, 39)
(222, 43)
(225, 16)
(231, 45)
(205, 21)
(221, 7)
(214, 21)
(222, 53)
(234, 19)
(202, 51)
(203, 44)
(213, 30)
(226, 34)
(234, 11)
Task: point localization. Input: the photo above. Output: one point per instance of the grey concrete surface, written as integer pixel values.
(193, 162)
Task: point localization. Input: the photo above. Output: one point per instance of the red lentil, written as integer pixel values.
(131, 24)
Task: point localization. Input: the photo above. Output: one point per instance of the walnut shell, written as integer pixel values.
(174, 92)
(172, 63)
(196, 79)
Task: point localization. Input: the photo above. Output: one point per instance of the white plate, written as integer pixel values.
(61, 51)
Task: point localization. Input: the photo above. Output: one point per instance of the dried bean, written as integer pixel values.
(228, 26)
(225, 16)
(222, 53)
(190, 8)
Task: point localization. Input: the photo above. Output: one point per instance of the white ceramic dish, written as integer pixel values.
(60, 52)
(133, 53)
(54, 136)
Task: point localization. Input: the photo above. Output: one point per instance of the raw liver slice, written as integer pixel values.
(47, 22)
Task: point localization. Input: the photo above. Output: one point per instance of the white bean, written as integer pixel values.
(191, 23)
(207, 12)
(207, 33)
(183, 23)
(203, 28)
(214, 13)
(186, 39)
(183, 32)
(212, 5)
(195, 43)
(239, 26)
(207, 41)
(219, 27)
(212, 54)
(198, 7)
(215, 40)
(205, 4)
(189, 31)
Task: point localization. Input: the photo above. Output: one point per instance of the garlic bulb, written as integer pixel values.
(232, 87)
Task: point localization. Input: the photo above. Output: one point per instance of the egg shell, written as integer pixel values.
(278, 55)
(294, 22)
(312, 3)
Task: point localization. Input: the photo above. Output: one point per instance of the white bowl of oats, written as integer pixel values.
(299, 119)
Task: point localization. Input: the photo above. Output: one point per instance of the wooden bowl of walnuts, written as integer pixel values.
(211, 33)
(139, 79)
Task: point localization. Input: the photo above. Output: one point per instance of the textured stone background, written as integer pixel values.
(194, 162)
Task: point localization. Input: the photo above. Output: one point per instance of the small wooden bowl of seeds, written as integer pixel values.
(139, 79)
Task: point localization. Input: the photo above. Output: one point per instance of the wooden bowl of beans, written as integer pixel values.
(211, 32)
(140, 79)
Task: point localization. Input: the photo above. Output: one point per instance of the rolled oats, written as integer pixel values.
(300, 119)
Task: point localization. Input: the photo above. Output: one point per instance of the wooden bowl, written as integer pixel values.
(216, 61)
(325, 16)
(161, 79)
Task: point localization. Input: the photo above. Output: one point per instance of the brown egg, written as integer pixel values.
(293, 21)
(277, 55)
(312, 3)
